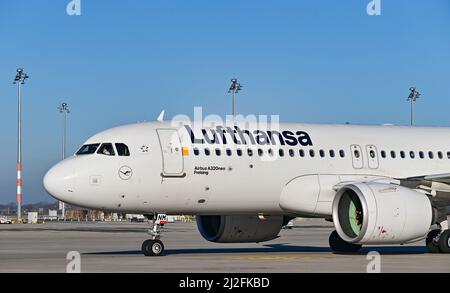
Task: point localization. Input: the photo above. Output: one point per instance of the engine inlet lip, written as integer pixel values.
(365, 210)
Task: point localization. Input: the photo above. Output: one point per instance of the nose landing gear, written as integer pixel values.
(154, 246)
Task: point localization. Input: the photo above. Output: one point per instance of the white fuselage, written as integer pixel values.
(164, 174)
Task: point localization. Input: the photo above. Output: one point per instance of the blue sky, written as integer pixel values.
(123, 61)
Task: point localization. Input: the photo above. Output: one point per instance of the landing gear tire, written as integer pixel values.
(153, 247)
(337, 244)
(432, 242)
(444, 242)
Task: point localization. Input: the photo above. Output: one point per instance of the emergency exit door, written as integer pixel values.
(372, 156)
(172, 154)
(357, 156)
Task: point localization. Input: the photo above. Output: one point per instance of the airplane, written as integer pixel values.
(379, 185)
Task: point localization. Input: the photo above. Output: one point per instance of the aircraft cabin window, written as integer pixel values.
(421, 155)
(106, 149)
(357, 154)
(88, 149)
(302, 153)
(430, 155)
(281, 152)
(218, 152)
(250, 152)
(412, 154)
(207, 152)
(322, 153)
(402, 154)
(291, 152)
(393, 155)
(122, 150)
(440, 156)
(383, 154)
(239, 152)
(229, 152)
(196, 151)
(260, 152)
(372, 154)
(312, 153)
(448, 155)
(342, 153)
(332, 154)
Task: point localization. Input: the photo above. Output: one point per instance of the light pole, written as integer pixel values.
(64, 109)
(413, 96)
(20, 78)
(235, 87)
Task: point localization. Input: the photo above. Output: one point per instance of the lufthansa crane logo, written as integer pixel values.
(125, 173)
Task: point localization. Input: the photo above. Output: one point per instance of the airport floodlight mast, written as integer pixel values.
(235, 87)
(64, 109)
(20, 78)
(413, 96)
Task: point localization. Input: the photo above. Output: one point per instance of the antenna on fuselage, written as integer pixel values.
(161, 116)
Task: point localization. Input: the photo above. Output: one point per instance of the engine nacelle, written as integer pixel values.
(239, 228)
(380, 213)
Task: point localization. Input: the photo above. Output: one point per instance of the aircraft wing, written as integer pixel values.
(441, 178)
(437, 185)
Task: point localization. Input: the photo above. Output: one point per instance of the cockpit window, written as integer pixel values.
(88, 149)
(106, 149)
(122, 150)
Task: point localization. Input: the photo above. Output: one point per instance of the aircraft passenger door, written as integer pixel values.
(372, 156)
(357, 156)
(172, 154)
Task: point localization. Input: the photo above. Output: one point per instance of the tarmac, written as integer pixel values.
(115, 247)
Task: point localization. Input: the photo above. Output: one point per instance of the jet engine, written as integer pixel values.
(240, 228)
(380, 213)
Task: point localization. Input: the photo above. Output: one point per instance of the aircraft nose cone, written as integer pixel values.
(59, 181)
